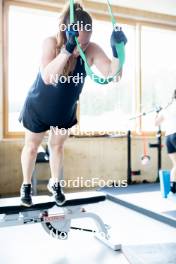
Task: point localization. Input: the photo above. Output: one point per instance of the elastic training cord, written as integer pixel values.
(120, 48)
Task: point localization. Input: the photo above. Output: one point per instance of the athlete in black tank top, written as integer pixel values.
(50, 103)
(53, 104)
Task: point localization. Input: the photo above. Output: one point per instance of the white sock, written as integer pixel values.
(53, 181)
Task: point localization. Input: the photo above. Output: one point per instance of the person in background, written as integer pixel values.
(168, 117)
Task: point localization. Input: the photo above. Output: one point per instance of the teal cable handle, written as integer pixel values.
(120, 48)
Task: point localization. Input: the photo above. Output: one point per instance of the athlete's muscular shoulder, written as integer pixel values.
(49, 50)
(92, 50)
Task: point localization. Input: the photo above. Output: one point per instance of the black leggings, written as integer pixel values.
(171, 143)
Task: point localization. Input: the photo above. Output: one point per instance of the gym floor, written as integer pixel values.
(146, 199)
(31, 244)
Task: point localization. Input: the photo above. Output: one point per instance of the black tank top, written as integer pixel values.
(56, 105)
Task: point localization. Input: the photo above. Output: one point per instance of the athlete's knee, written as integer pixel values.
(31, 148)
(56, 147)
(173, 170)
(173, 174)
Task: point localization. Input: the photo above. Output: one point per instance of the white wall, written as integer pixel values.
(85, 158)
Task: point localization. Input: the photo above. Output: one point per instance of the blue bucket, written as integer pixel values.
(164, 176)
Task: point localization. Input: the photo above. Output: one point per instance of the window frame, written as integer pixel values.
(128, 16)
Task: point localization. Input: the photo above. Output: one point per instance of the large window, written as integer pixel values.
(27, 29)
(158, 63)
(106, 107)
(102, 107)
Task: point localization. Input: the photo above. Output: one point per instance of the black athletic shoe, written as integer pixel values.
(57, 192)
(25, 191)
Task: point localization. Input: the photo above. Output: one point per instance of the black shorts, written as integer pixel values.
(32, 122)
(171, 143)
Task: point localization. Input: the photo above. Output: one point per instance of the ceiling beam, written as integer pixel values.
(99, 10)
